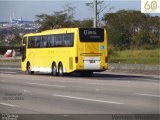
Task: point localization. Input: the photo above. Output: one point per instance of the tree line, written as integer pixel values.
(127, 29)
(12, 36)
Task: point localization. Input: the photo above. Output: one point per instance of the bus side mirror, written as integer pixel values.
(23, 45)
(22, 48)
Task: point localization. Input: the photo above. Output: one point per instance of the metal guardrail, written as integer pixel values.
(10, 58)
(135, 68)
(10, 61)
(113, 66)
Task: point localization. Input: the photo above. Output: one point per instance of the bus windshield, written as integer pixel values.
(91, 34)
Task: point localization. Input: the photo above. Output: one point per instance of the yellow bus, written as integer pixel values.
(66, 50)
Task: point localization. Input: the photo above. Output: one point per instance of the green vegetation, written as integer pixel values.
(135, 56)
(130, 29)
(10, 36)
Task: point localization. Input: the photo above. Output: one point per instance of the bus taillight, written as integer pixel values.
(76, 59)
(106, 59)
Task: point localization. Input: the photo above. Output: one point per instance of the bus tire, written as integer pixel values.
(29, 69)
(54, 69)
(60, 69)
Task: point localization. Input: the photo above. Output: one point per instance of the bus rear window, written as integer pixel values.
(91, 34)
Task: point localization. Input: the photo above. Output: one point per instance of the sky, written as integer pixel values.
(28, 9)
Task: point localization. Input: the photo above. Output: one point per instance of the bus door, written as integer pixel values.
(23, 48)
(91, 47)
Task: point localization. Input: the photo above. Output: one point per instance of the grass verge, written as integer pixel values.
(135, 56)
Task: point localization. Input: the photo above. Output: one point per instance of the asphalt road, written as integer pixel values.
(73, 97)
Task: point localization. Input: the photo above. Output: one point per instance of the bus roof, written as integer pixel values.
(55, 31)
(52, 31)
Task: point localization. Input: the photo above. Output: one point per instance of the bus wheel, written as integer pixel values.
(86, 74)
(54, 69)
(60, 69)
(29, 69)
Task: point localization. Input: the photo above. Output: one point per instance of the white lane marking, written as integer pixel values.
(10, 105)
(97, 89)
(87, 99)
(107, 84)
(2, 80)
(65, 115)
(44, 84)
(27, 91)
(143, 79)
(150, 95)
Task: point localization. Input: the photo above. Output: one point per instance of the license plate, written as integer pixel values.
(92, 61)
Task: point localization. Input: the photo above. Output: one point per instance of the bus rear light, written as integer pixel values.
(106, 59)
(76, 59)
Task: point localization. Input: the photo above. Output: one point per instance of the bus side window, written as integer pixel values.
(48, 41)
(68, 40)
(52, 41)
(59, 40)
(44, 41)
(37, 41)
(31, 42)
